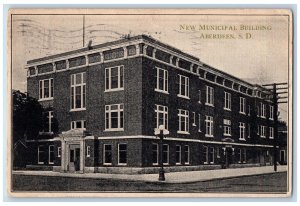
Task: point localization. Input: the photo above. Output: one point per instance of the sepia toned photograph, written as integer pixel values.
(150, 102)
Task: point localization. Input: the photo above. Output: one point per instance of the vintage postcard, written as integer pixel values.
(150, 102)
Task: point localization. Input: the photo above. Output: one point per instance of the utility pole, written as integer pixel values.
(275, 90)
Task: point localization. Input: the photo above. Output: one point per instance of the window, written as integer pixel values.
(114, 117)
(49, 122)
(161, 116)
(51, 154)
(183, 121)
(211, 155)
(80, 124)
(218, 152)
(165, 154)
(46, 89)
(199, 122)
(242, 105)
(183, 86)
(258, 111)
(209, 96)
(41, 151)
(107, 154)
(59, 152)
(122, 154)
(161, 80)
(205, 154)
(249, 110)
(262, 131)
(88, 151)
(114, 78)
(209, 125)
(271, 133)
(186, 154)
(242, 130)
(271, 112)
(78, 93)
(242, 155)
(155, 154)
(249, 131)
(262, 110)
(194, 119)
(227, 102)
(178, 154)
(227, 127)
(199, 96)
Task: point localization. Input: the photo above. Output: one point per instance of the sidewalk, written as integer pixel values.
(173, 177)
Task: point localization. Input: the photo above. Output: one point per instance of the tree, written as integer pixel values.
(27, 116)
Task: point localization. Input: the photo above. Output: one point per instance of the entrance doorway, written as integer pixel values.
(74, 159)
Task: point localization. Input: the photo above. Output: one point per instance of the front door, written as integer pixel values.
(74, 159)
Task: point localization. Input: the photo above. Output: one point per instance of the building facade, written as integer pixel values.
(108, 99)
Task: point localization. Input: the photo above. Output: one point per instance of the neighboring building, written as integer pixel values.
(109, 98)
(282, 143)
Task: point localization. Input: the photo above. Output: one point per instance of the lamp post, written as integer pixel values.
(161, 132)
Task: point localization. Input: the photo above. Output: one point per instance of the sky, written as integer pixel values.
(261, 59)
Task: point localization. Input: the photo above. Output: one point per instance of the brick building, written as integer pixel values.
(108, 99)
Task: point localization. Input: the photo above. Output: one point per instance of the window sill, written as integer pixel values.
(186, 163)
(194, 125)
(227, 135)
(199, 131)
(178, 164)
(209, 135)
(46, 99)
(182, 96)
(155, 164)
(107, 163)
(199, 102)
(51, 163)
(182, 132)
(78, 110)
(242, 139)
(226, 109)
(271, 137)
(88, 156)
(161, 91)
(262, 117)
(206, 163)
(40, 163)
(122, 164)
(243, 113)
(211, 105)
(114, 90)
(271, 119)
(263, 137)
(165, 163)
(212, 163)
(114, 130)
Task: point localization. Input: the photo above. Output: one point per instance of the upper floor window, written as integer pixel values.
(271, 132)
(46, 89)
(114, 78)
(242, 130)
(161, 116)
(227, 127)
(209, 95)
(114, 117)
(271, 112)
(183, 86)
(161, 80)
(183, 116)
(262, 131)
(262, 110)
(49, 121)
(227, 102)
(242, 105)
(199, 96)
(78, 91)
(209, 126)
(79, 124)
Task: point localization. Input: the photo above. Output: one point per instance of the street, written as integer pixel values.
(276, 182)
